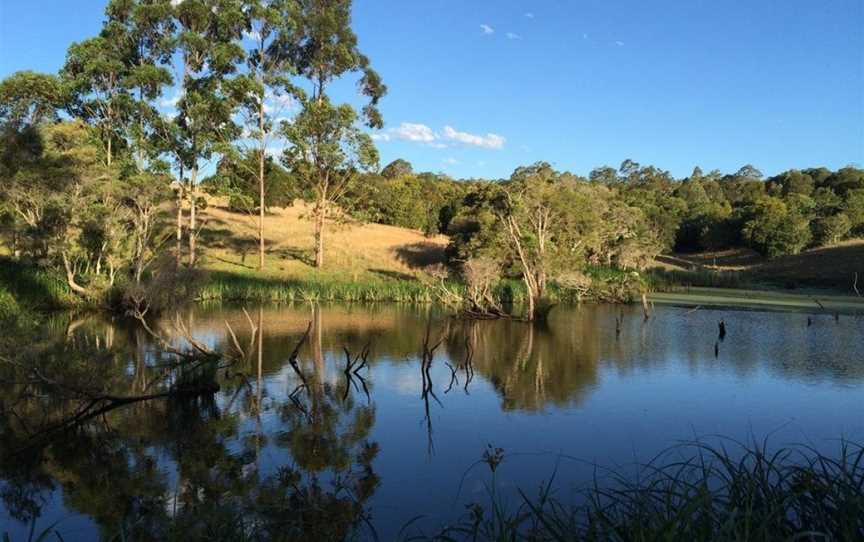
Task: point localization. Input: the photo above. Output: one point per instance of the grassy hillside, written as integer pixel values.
(832, 267)
(353, 251)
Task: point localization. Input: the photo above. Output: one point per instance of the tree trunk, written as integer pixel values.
(320, 212)
(179, 238)
(179, 234)
(261, 208)
(262, 148)
(531, 297)
(193, 204)
(70, 277)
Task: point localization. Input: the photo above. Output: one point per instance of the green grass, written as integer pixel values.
(35, 287)
(668, 280)
(248, 286)
(696, 492)
(226, 286)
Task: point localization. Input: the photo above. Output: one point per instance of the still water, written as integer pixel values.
(597, 386)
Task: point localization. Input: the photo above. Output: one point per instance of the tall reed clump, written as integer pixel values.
(35, 287)
(231, 287)
(669, 280)
(713, 494)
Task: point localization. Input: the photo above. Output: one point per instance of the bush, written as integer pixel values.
(830, 229)
(774, 230)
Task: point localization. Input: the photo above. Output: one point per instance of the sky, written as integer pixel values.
(480, 87)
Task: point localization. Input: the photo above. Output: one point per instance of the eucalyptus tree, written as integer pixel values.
(95, 74)
(144, 28)
(208, 43)
(271, 29)
(327, 145)
(327, 150)
(30, 98)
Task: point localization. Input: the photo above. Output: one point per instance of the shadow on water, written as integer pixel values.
(291, 446)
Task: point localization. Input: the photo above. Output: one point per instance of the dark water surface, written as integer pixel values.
(561, 397)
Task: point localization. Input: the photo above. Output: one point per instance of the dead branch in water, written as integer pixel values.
(352, 371)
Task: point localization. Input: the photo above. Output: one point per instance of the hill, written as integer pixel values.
(832, 267)
(354, 251)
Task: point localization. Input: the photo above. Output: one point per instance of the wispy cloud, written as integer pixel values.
(486, 29)
(423, 134)
(513, 36)
(450, 161)
(529, 15)
(414, 132)
(489, 141)
(619, 43)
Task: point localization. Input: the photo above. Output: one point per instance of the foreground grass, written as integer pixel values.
(696, 492)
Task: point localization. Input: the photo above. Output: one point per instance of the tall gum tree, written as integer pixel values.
(207, 40)
(326, 51)
(329, 151)
(271, 28)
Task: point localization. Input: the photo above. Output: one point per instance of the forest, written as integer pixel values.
(105, 187)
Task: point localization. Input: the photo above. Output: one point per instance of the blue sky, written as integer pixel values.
(479, 87)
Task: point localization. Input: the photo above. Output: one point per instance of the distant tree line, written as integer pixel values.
(775, 216)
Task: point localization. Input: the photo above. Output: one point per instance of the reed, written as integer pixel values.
(34, 286)
(695, 492)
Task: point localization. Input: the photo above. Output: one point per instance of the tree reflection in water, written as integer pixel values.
(175, 468)
(286, 449)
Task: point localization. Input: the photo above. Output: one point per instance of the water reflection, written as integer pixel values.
(290, 447)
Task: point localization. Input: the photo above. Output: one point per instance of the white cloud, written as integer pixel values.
(172, 101)
(450, 161)
(489, 141)
(619, 43)
(253, 35)
(414, 132)
(486, 29)
(278, 103)
(529, 15)
(513, 36)
(423, 134)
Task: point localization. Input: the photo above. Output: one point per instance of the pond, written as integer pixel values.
(397, 441)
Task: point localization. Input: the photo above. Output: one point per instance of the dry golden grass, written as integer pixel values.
(353, 251)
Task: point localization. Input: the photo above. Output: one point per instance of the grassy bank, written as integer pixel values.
(33, 287)
(329, 286)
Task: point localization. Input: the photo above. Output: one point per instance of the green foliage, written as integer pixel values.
(424, 202)
(397, 168)
(853, 207)
(238, 181)
(30, 98)
(774, 230)
(831, 229)
(34, 287)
